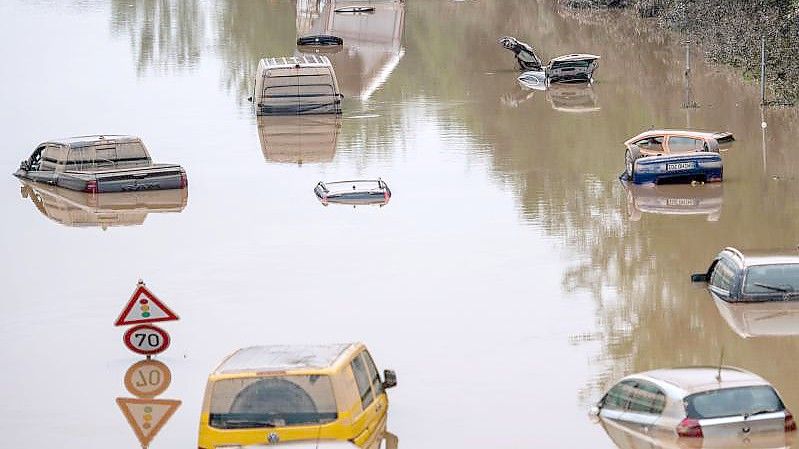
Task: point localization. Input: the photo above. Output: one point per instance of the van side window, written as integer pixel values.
(723, 275)
(619, 397)
(362, 379)
(648, 399)
(377, 385)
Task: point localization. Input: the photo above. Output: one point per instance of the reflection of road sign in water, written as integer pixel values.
(146, 339)
(148, 378)
(144, 307)
(147, 416)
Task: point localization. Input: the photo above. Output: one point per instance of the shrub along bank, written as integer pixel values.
(730, 32)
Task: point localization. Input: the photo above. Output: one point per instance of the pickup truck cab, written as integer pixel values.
(268, 394)
(98, 164)
(674, 155)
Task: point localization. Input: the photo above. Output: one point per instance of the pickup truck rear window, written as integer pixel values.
(733, 402)
(274, 401)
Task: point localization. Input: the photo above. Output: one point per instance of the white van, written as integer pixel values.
(296, 85)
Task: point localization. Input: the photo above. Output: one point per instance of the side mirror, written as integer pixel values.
(249, 99)
(699, 277)
(594, 411)
(24, 165)
(390, 379)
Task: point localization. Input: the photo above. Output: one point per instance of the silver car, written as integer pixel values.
(752, 276)
(723, 403)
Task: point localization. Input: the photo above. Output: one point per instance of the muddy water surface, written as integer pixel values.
(509, 280)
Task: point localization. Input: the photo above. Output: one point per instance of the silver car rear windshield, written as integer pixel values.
(274, 401)
(776, 278)
(733, 402)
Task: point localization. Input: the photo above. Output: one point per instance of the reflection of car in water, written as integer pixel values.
(676, 199)
(354, 193)
(574, 97)
(268, 394)
(299, 138)
(724, 406)
(761, 319)
(669, 155)
(372, 42)
(98, 164)
(626, 436)
(72, 208)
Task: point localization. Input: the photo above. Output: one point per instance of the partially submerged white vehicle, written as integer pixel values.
(571, 68)
(296, 85)
(354, 193)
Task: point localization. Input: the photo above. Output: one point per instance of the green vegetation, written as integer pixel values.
(730, 32)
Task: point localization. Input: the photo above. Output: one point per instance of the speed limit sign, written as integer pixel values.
(147, 378)
(146, 339)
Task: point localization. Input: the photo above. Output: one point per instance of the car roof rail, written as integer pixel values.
(734, 251)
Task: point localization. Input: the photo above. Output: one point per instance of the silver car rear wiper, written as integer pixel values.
(761, 412)
(774, 287)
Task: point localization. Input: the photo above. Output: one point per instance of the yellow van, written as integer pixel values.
(264, 395)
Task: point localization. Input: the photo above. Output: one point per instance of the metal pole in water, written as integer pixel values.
(762, 70)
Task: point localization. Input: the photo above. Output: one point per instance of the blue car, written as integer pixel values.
(669, 156)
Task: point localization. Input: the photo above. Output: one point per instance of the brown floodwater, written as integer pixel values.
(509, 281)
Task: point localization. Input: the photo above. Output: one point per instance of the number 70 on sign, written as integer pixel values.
(146, 339)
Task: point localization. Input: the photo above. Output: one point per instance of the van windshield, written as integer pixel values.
(275, 401)
(733, 402)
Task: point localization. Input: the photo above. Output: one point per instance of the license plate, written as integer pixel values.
(680, 166)
(681, 202)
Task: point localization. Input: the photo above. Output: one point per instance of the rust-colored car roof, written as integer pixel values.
(704, 135)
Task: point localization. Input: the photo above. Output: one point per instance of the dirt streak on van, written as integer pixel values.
(296, 85)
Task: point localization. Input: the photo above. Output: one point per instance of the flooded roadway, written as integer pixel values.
(509, 281)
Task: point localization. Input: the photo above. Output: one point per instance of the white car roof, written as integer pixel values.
(695, 379)
(282, 358)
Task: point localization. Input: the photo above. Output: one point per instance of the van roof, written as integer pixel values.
(83, 141)
(282, 358)
(294, 61)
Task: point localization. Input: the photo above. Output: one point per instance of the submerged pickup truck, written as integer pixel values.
(98, 164)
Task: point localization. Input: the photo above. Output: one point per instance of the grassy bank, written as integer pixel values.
(729, 32)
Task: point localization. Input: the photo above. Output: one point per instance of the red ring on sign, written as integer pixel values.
(162, 333)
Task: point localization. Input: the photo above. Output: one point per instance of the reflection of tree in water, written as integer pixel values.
(164, 34)
(249, 30)
(565, 168)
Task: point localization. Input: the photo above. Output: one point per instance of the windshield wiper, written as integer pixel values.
(242, 423)
(774, 287)
(761, 412)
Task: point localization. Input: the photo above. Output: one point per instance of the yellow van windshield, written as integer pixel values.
(275, 401)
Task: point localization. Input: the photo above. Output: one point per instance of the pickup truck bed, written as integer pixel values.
(151, 177)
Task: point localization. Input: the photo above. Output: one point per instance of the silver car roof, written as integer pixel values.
(695, 379)
(766, 257)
